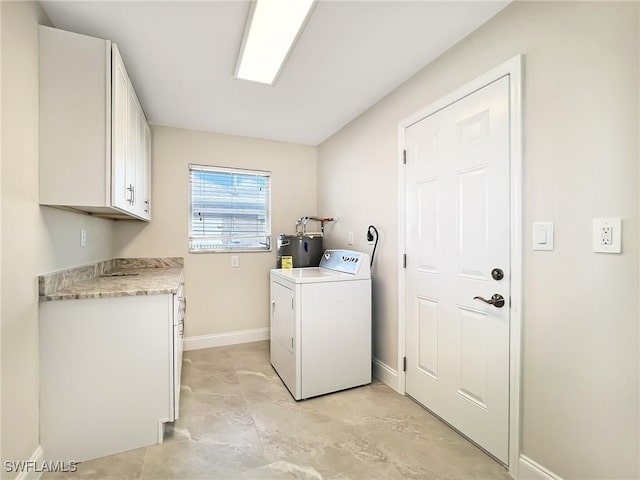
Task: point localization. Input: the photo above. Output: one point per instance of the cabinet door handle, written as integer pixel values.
(273, 309)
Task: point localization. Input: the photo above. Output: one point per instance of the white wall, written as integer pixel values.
(580, 347)
(221, 299)
(35, 239)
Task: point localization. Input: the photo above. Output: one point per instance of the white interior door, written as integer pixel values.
(457, 233)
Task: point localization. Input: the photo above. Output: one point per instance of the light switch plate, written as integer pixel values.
(607, 235)
(543, 236)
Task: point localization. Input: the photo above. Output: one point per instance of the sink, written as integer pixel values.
(119, 274)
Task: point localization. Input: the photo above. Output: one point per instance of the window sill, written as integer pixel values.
(232, 250)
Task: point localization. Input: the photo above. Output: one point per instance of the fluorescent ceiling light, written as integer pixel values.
(272, 29)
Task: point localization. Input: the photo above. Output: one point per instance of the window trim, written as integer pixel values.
(231, 170)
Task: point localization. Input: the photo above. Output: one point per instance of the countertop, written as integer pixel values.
(114, 278)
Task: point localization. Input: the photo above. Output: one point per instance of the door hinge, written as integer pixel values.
(292, 304)
(404, 364)
(404, 260)
(404, 157)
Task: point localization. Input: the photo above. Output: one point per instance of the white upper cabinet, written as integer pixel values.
(95, 143)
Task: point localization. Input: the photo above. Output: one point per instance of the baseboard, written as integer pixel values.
(386, 374)
(530, 470)
(34, 460)
(221, 339)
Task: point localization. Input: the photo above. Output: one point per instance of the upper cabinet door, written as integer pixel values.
(131, 172)
(130, 181)
(121, 194)
(146, 178)
(141, 164)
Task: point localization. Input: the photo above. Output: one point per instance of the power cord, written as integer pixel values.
(370, 239)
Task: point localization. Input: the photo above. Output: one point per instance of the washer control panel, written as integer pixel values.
(345, 261)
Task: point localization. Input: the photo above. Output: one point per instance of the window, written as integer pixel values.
(230, 209)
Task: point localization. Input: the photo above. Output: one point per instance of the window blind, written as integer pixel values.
(230, 209)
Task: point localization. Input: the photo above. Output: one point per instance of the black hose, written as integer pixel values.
(370, 235)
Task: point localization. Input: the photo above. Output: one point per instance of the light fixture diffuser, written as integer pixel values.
(272, 28)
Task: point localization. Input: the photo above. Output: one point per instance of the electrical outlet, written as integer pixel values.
(235, 261)
(607, 234)
(83, 237)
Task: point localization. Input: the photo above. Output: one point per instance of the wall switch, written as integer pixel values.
(83, 237)
(350, 238)
(607, 234)
(235, 261)
(543, 236)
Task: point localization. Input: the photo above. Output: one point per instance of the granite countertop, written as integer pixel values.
(113, 278)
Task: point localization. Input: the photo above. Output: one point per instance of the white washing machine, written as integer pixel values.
(321, 324)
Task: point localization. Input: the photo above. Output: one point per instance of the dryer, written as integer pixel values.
(321, 324)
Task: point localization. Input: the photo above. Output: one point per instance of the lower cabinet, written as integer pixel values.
(109, 373)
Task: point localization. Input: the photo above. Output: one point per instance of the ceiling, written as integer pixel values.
(181, 57)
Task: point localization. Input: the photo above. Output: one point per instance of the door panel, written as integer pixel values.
(131, 165)
(283, 355)
(283, 321)
(457, 231)
(428, 337)
(473, 228)
(119, 148)
(428, 193)
(472, 372)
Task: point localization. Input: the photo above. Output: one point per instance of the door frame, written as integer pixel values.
(514, 69)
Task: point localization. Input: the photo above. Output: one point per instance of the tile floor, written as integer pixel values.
(238, 421)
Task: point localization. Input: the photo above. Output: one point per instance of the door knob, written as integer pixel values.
(497, 274)
(496, 300)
